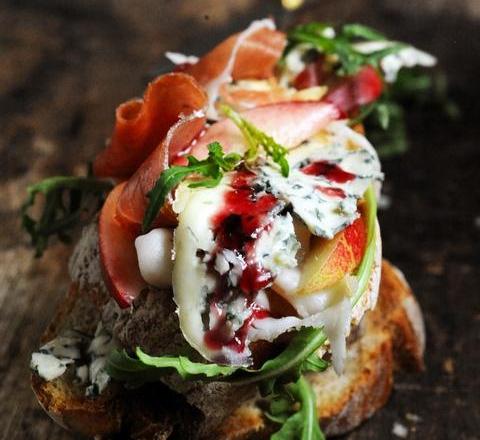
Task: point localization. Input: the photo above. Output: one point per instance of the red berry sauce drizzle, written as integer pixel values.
(332, 172)
(237, 226)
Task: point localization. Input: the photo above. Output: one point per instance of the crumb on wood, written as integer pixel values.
(414, 418)
(449, 365)
(399, 430)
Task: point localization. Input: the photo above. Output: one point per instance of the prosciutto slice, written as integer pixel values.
(117, 253)
(255, 59)
(142, 124)
(133, 200)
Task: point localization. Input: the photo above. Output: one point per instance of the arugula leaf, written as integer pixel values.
(385, 119)
(147, 368)
(302, 424)
(314, 364)
(289, 363)
(387, 128)
(184, 366)
(303, 344)
(356, 30)
(69, 201)
(365, 267)
(211, 168)
(256, 139)
(340, 45)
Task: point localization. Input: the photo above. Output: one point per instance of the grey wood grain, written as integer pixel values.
(64, 65)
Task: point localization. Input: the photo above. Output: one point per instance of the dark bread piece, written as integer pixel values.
(391, 336)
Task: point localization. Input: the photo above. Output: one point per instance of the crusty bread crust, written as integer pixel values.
(391, 336)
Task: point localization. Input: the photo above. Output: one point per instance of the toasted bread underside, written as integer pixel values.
(390, 337)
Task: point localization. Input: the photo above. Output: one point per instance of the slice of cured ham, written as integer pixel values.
(256, 57)
(142, 124)
(117, 253)
(133, 200)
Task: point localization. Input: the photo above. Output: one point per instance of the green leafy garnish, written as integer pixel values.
(256, 138)
(212, 168)
(339, 45)
(384, 119)
(297, 423)
(386, 128)
(69, 201)
(147, 368)
(314, 364)
(365, 267)
(292, 361)
(303, 344)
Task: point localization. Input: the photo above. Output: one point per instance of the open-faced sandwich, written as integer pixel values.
(225, 288)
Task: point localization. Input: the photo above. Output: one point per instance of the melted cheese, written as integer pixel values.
(279, 249)
(191, 283)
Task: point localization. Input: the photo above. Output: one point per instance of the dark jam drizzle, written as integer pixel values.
(328, 169)
(332, 192)
(332, 172)
(245, 214)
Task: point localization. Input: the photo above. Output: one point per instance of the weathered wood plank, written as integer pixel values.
(64, 67)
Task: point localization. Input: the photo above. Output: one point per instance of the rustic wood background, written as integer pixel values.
(64, 65)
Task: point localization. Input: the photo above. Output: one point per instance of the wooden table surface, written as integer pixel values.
(64, 65)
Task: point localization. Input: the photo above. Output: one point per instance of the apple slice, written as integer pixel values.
(117, 253)
(328, 261)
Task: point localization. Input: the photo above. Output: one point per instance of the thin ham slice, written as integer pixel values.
(255, 59)
(289, 123)
(117, 253)
(141, 124)
(133, 200)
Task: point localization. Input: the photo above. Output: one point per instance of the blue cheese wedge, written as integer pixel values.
(324, 212)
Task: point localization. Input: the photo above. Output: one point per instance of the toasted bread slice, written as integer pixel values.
(391, 336)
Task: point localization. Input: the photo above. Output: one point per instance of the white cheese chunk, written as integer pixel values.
(277, 247)
(48, 366)
(154, 253)
(191, 283)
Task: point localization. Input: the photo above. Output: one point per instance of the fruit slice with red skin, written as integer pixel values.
(117, 253)
(255, 59)
(349, 93)
(289, 123)
(141, 124)
(314, 74)
(328, 261)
